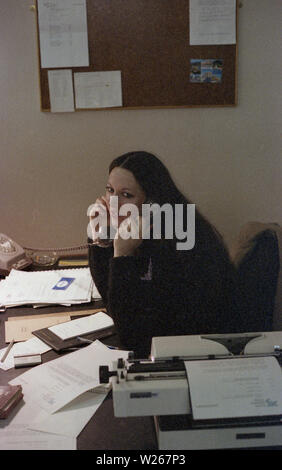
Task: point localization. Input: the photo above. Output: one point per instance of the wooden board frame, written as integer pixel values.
(148, 40)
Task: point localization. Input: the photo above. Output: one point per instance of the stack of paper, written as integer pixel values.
(65, 286)
(60, 397)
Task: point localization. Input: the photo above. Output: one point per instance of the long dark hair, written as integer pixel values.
(152, 175)
(159, 187)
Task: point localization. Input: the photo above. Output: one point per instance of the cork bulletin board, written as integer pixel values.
(148, 42)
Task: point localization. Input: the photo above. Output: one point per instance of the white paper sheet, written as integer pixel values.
(81, 326)
(31, 346)
(28, 422)
(21, 438)
(70, 420)
(212, 22)
(63, 33)
(235, 388)
(98, 89)
(56, 383)
(61, 91)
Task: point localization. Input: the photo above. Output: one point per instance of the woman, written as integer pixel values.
(150, 287)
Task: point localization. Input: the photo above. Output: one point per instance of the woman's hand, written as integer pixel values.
(99, 221)
(128, 237)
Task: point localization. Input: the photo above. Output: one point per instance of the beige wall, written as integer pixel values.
(52, 166)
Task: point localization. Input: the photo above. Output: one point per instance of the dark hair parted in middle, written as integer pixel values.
(159, 187)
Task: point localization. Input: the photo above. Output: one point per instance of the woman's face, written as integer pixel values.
(122, 183)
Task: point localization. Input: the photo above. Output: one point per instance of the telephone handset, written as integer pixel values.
(13, 256)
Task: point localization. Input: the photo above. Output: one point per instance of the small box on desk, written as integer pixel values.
(10, 396)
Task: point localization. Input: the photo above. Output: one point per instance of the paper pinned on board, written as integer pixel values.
(61, 91)
(212, 22)
(98, 89)
(63, 33)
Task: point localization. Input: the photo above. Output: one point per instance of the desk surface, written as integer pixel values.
(104, 431)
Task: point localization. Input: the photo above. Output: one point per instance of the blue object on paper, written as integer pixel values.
(63, 283)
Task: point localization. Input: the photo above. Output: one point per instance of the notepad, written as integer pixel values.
(81, 326)
(21, 330)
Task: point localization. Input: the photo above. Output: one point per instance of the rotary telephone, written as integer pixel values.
(13, 256)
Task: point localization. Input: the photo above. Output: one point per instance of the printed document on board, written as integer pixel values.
(212, 22)
(98, 89)
(61, 90)
(63, 33)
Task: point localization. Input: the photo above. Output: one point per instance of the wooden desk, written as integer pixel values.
(103, 431)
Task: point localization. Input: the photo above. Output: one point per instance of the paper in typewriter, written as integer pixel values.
(235, 388)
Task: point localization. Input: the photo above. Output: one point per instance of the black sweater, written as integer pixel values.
(162, 291)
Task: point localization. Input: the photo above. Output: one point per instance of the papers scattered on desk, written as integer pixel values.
(22, 438)
(64, 287)
(56, 383)
(31, 346)
(72, 418)
(60, 397)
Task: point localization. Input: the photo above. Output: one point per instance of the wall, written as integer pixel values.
(52, 166)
